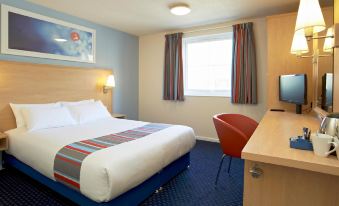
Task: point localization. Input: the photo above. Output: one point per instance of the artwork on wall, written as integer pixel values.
(25, 33)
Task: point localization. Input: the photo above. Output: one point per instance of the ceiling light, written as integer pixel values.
(60, 40)
(180, 9)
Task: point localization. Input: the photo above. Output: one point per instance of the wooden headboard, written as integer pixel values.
(37, 83)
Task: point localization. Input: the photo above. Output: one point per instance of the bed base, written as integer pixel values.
(132, 197)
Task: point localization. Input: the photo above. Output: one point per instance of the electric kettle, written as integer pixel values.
(330, 125)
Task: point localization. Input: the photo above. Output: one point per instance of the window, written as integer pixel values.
(207, 65)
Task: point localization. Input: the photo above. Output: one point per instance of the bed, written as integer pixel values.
(108, 173)
(139, 167)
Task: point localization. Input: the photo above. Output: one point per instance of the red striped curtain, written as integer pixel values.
(173, 71)
(244, 69)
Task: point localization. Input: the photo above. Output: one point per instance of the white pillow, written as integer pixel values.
(16, 108)
(87, 101)
(89, 112)
(43, 118)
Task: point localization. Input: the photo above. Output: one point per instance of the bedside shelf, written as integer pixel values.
(3, 142)
(119, 116)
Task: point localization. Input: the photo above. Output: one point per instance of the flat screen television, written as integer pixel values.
(293, 89)
(327, 91)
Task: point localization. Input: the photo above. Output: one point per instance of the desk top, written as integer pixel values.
(270, 143)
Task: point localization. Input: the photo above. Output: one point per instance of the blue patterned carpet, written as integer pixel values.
(192, 187)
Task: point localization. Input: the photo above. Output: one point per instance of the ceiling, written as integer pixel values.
(140, 17)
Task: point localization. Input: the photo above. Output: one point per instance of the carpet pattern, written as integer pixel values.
(193, 187)
(17, 189)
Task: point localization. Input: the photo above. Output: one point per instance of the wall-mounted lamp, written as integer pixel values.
(329, 40)
(310, 19)
(110, 83)
(299, 44)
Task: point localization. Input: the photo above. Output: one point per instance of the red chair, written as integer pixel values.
(234, 130)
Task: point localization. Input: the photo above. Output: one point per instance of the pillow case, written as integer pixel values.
(16, 108)
(87, 101)
(89, 112)
(43, 118)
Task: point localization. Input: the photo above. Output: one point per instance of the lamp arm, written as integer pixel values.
(106, 89)
(311, 56)
(305, 56)
(325, 55)
(318, 37)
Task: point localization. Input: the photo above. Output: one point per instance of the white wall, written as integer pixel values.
(196, 112)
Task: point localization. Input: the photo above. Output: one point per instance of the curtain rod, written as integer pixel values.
(207, 29)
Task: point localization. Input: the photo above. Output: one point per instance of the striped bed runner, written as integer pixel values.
(68, 161)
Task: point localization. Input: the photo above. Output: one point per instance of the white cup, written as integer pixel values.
(322, 144)
(336, 140)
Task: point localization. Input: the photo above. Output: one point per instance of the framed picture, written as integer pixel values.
(25, 33)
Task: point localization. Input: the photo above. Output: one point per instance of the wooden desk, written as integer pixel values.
(290, 176)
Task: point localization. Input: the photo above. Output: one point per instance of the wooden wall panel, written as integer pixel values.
(280, 30)
(336, 11)
(36, 83)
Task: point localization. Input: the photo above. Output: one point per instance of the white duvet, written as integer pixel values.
(102, 179)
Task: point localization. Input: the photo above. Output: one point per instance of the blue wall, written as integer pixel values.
(115, 50)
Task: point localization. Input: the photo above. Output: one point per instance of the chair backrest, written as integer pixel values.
(234, 130)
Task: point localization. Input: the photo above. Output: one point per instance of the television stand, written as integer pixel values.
(298, 109)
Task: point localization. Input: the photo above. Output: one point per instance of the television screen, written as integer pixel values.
(327, 90)
(293, 88)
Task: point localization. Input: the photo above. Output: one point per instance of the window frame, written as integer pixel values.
(203, 38)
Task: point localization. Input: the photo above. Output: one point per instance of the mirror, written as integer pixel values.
(325, 67)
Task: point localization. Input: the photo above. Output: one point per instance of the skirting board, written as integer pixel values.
(208, 139)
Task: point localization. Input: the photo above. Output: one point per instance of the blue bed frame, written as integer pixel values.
(132, 197)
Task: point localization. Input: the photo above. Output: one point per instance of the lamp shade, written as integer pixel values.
(310, 18)
(299, 43)
(110, 82)
(329, 41)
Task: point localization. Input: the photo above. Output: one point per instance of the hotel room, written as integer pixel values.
(177, 102)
